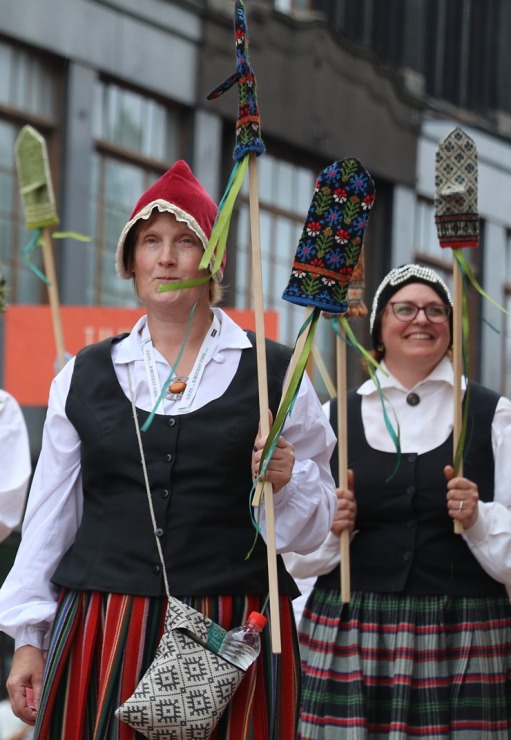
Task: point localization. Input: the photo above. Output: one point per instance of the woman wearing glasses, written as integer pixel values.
(422, 649)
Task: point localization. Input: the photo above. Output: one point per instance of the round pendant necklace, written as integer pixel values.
(176, 388)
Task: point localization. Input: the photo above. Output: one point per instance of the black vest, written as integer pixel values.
(199, 468)
(406, 543)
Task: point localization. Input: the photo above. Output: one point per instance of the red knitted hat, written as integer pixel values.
(178, 192)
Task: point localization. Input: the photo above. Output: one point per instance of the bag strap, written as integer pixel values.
(182, 610)
(147, 486)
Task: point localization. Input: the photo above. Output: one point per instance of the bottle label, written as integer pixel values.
(216, 636)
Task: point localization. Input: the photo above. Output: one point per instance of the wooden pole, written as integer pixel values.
(457, 362)
(295, 357)
(342, 454)
(53, 296)
(327, 380)
(263, 399)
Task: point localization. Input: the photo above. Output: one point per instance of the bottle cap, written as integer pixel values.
(258, 619)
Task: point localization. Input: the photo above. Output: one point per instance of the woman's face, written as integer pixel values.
(418, 342)
(166, 250)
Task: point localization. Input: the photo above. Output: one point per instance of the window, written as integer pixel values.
(289, 5)
(27, 86)
(26, 82)
(136, 140)
(459, 47)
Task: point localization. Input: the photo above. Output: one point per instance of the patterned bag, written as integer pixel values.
(188, 686)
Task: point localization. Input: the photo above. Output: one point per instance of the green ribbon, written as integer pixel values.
(28, 252)
(372, 365)
(218, 239)
(182, 284)
(350, 339)
(466, 271)
(71, 235)
(285, 408)
(36, 240)
(467, 275)
(394, 435)
(173, 371)
(287, 402)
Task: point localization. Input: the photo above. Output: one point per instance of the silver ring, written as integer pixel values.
(461, 506)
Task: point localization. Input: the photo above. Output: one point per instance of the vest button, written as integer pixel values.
(407, 555)
(165, 493)
(168, 457)
(412, 458)
(171, 422)
(159, 532)
(413, 399)
(410, 490)
(410, 523)
(156, 569)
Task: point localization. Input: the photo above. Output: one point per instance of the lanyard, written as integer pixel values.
(184, 398)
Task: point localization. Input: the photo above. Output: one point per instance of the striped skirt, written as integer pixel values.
(102, 644)
(402, 667)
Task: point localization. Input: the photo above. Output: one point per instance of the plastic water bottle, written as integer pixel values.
(241, 645)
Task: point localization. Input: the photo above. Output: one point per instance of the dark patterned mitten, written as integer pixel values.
(456, 216)
(331, 241)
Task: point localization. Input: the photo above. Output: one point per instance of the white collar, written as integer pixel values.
(442, 373)
(233, 337)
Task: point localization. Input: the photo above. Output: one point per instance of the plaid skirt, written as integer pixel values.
(102, 644)
(400, 667)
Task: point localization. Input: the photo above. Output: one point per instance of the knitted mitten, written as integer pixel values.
(248, 126)
(331, 241)
(35, 180)
(456, 216)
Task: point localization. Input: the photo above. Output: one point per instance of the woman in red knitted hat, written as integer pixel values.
(87, 584)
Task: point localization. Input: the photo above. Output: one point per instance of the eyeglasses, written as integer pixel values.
(434, 313)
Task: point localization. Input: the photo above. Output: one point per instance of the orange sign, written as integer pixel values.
(30, 358)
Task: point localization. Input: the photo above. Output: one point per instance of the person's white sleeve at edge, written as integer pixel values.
(305, 507)
(15, 466)
(490, 537)
(317, 563)
(27, 597)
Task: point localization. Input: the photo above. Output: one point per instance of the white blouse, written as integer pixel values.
(303, 509)
(15, 467)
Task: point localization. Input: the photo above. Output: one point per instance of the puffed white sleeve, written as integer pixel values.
(321, 560)
(15, 466)
(490, 537)
(305, 507)
(27, 597)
